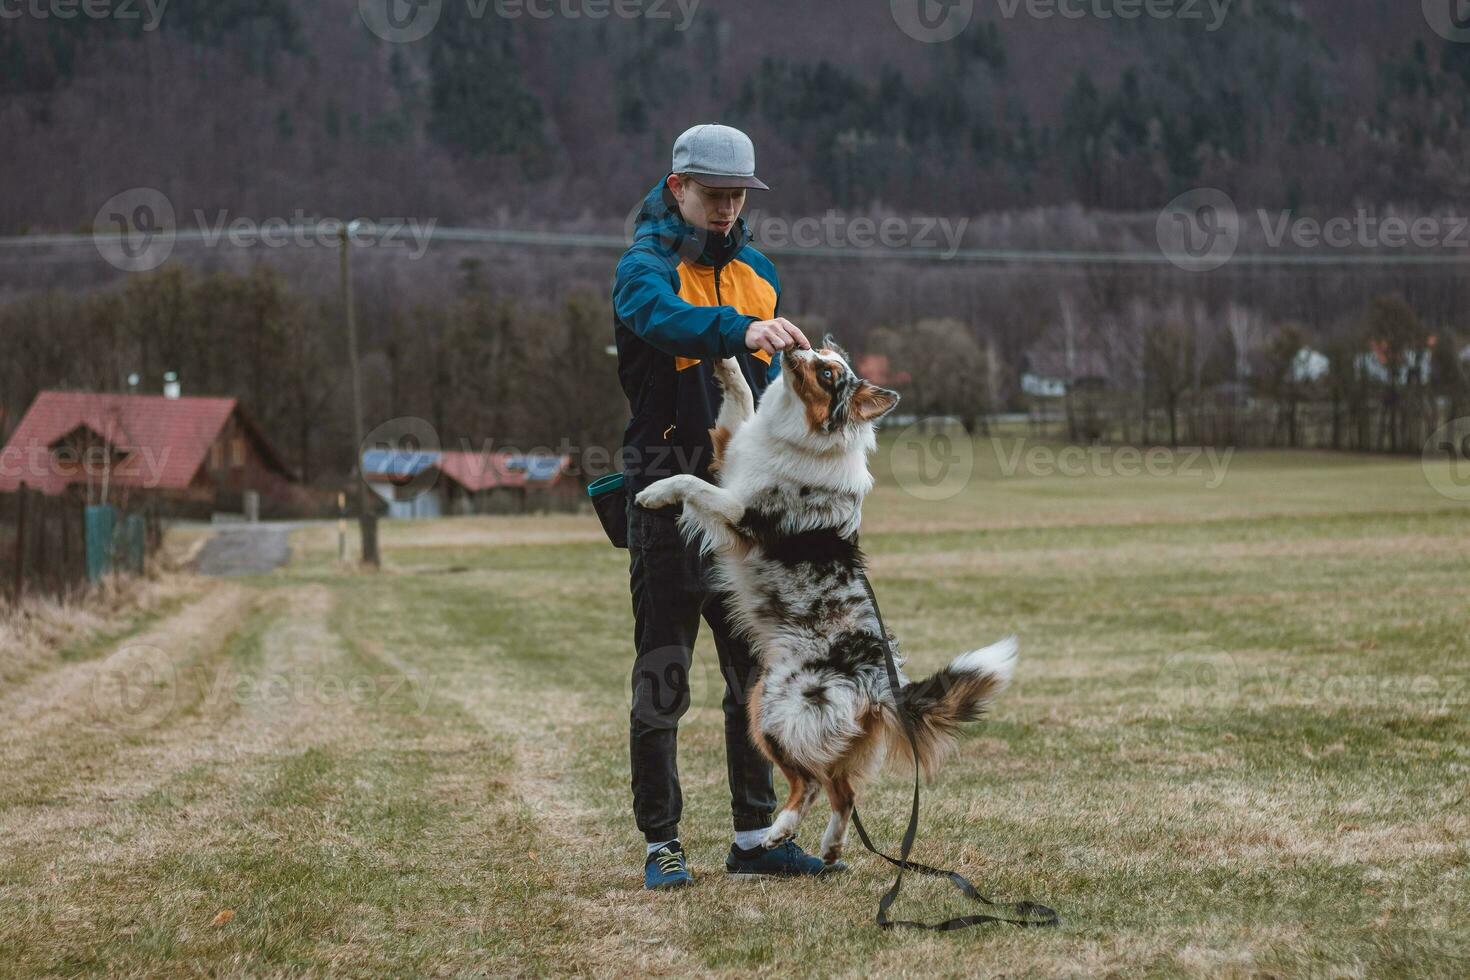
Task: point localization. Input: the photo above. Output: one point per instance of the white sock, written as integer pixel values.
(748, 840)
(654, 847)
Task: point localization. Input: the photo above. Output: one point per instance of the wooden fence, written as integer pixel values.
(44, 547)
(1109, 416)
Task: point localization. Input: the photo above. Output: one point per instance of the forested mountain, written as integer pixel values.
(1032, 132)
(270, 107)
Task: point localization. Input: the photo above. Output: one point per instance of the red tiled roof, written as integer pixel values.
(485, 471)
(166, 439)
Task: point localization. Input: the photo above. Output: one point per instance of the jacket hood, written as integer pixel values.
(660, 224)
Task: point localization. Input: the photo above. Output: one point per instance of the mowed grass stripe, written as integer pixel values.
(302, 828)
(1236, 747)
(1170, 717)
(1163, 721)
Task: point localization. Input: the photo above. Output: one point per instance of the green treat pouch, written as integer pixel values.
(610, 500)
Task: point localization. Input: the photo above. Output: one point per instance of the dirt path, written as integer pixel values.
(112, 728)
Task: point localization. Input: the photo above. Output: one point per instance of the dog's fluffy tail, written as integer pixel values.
(937, 705)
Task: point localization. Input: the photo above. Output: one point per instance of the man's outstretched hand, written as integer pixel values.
(774, 336)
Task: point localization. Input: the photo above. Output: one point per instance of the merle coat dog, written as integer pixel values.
(782, 526)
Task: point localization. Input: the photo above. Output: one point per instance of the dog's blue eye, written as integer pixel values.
(827, 375)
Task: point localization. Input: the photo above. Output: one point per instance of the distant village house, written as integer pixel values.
(441, 483)
(190, 456)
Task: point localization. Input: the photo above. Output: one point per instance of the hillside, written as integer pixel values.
(280, 107)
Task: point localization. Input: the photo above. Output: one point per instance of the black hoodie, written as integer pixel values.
(682, 298)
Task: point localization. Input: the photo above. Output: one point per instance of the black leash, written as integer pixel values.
(1022, 914)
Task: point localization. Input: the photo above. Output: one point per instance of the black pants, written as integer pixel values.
(670, 584)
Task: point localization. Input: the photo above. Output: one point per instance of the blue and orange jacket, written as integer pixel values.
(680, 300)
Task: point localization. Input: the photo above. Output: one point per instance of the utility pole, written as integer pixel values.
(1069, 332)
(367, 520)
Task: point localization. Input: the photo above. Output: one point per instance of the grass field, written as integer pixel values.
(1237, 746)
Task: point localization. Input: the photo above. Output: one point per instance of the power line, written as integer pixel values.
(617, 243)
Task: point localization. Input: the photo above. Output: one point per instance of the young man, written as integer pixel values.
(689, 290)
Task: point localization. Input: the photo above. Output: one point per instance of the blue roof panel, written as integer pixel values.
(397, 462)
(537, 467)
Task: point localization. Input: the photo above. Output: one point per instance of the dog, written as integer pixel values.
(781, 528)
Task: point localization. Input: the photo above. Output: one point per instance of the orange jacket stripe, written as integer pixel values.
(740, 286)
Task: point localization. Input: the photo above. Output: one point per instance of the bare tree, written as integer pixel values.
(1169, 354)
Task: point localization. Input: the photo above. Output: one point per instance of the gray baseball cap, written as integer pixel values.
(717, 156)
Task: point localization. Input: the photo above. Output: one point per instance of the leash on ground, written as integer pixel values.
(1022, 914)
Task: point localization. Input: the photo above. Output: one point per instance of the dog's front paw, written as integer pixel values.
(732, 382)
(776, 836)
(783, 830)
(664, 493)
(727, 374)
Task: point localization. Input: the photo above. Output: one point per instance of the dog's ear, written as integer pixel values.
(870, 402)
(831, 345)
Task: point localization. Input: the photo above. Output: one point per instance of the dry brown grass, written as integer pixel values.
(1202, 764)
(38, 631)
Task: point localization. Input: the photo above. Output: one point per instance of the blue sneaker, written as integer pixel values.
(665, 868)
(786, 861)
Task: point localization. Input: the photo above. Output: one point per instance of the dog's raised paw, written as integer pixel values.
(727, 372)
(734, 385)
(655, 496)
